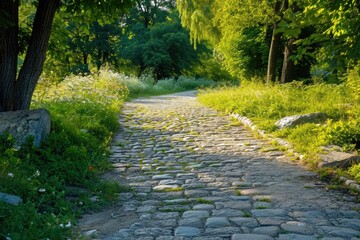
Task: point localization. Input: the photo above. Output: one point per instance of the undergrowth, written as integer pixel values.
(59, 181)
(265, 104)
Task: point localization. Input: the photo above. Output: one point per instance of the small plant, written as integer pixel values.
(247, 214)
(238, 192)
(264, 199)
(174, 189)
(204, 201)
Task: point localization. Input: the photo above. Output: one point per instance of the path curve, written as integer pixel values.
(198, 175)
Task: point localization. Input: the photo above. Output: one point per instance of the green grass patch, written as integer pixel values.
(59, 180)
(267, 103)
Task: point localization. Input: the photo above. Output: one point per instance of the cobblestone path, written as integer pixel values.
(198, 175)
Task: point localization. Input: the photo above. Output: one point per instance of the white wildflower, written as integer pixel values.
(10, 175)
(42, 190)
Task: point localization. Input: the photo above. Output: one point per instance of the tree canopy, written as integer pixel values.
(18, 85)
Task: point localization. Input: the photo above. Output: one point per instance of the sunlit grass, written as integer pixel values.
(265, 104)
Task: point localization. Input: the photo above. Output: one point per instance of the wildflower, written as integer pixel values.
(42, 190)
(10, 175)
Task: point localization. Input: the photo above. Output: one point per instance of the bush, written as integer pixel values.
(84, 116)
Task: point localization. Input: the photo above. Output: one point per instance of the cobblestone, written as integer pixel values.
(197, 176)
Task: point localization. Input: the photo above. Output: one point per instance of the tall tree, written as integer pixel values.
(232, 17)
(16, 88)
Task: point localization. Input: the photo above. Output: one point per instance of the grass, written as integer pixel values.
(265, 104)
(59, 181)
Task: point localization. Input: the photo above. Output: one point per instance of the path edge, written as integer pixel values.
(250, 124)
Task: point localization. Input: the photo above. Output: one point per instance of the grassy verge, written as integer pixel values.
(60, 180)
(265, 104)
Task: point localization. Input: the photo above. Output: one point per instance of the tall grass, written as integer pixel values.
(59, 180)
(265, 104)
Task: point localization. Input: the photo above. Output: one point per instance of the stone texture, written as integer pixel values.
(338, 159)
(271, 231)
(292, 121)
(227, 177)
(191, 222)
(250, 237)
(187, 231)
(196, 214)
(10, 199)
(298, 227)
(25, 123)
(216, 222)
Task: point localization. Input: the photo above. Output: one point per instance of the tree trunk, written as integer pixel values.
(274, 46)
(36, 53)
(271, 68)
(8, 55)
(85, 58)
(287, 73)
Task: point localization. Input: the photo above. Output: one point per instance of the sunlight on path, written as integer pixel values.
(198, 175)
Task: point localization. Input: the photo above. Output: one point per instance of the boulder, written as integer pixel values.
(295, 120)
(10, 199)
(338, 159)
(24, 123)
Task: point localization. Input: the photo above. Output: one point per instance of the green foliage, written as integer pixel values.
(164, 48)
(84, 116)
(265, 104)
(344, 133)
(245, 53)
(354, 171)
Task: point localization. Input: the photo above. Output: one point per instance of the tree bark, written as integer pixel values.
(36, 53)
(287, 73)
(8, 53)
(274, 46)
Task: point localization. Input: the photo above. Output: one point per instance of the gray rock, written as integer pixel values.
(242, 205)
(338, 159)
(171, 238)
(165, 215)
(272, 221)
(271, 231)
(331, 238)
(295, 237)
(164, 187)
(191, 222)
(340, 232)
(269, 212)
(350, 223)
(25, 123)
(244, 222)
(187, 231)
(196, 193)
(153, 232)
(222, 231)
(196, 214)
(124, 234)
(292, 121)
(162, 177)
(227, 213)
(298, 227)
(208, 238)
(171, 182)
(203, 207)
(250, 237)
(216, 222)
(10, 199)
